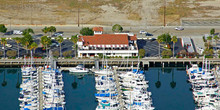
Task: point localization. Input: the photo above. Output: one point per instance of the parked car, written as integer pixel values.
(142, 32)
(8, 45)
(152, 39)
(54, 44)
(17, 32)
(57, 34)
(148, 34)
(179, 28)
(9, 33)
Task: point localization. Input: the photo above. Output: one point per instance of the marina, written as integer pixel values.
(206, 92)
(85, 89)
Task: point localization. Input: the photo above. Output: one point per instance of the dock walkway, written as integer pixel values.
(119, 90)
(40, 89)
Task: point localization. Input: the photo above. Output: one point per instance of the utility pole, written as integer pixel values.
(164, 14)
(10, 23)
(78, 16)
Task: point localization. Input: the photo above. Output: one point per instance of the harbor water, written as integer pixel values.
(9, 89)
(170, 91)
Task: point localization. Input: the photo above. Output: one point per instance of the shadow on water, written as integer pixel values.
(4, 83)
(80, 91)
(169, 89)
(10, 84)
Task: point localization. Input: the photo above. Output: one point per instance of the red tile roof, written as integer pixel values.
(133, 37)
(98, 29)
(105, 39)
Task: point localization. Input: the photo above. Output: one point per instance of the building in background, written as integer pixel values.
(118, 44)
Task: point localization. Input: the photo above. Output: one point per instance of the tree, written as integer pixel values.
(208, 52)
(45, 30)
(74, 39)
(26, 41)
(212, 31)
(174, 40)
(33, 46)
(56, 53)
(46, 41)
(86, 31)
(11, 53)
(209, 40)
(51, 29)
(166, 38)
(117, 28)
(216, 39)
(3, 28)
(159, 40)
(60, 40)
(18, 41)
(67, 53)
(141, 52)
(3, 42)
(28, 31)
(166, 53)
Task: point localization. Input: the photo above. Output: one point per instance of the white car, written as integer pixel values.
(17, 32)
(8, 45)
(179, 28)
(142, 32)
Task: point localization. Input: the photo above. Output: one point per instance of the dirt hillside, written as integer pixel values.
(105, 12)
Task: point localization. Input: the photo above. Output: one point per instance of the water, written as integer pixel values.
(9, 93)
(81, 97)
(164, 96)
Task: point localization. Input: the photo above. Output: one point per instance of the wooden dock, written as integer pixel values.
(149, 61)
(41, 101)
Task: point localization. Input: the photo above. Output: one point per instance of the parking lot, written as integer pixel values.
(151, 47)
(66, 46)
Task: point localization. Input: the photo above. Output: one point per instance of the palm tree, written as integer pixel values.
(60, 40)
(172, 83)
(216, 39)
(4, 83)
(74, 39)
(4, 42)
(26, 41)
(18, 41)
(46, 41)
(74, 84)
(45, 30)
(209, 40)
(51, 29)
(34, 46)
(174, 40)
(28, 31)
(159, 40)
(158, 83)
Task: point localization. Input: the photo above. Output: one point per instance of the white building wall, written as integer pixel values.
(97, 32)
(122, 53)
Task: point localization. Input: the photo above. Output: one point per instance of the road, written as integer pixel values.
(189, 31)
